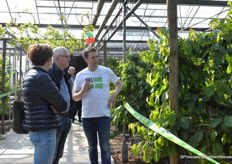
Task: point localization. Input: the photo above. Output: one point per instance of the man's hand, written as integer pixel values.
(77, 95)
(54, 110)
(86, 87)
(112, 101)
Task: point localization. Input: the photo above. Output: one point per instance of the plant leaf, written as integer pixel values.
(209, 91)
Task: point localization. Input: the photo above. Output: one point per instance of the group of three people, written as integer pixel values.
(47, 98)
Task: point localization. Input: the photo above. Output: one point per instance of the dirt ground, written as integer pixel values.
(115, 149)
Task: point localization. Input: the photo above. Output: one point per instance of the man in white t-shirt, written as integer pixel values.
(92, 86)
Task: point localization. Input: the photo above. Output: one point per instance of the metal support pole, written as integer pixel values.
(124, 151)
(9, 73)
(15, 72)
(107, 30)
(105, 55)
(20, 74)
(3, 89)
(20, 68)
(149, 28)
(124, 18)
(107, 17)
(124, 33)
(100, 4)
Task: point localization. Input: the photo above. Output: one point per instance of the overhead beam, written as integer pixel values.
(146, 16)
(128, 27)
(149, 28)
(111, 9)
(61, 19)
(37, 11)
(192, 2)
(66, 7)
(13, 36)
(98, 11)
(70, 10)
(9, 10)
(193, 16)
(190, 27)
(49, 13)
(106, 31)
(125, 18)
(180, 2)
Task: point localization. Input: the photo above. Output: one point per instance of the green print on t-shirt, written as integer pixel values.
(99, 85)
(97, 79)
(95, 82)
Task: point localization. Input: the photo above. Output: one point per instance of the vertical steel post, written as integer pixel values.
(15, 72)
(124, 153)
(105, 55)
(20, 74)
(124, 31)
(9, 73)
(3, 89)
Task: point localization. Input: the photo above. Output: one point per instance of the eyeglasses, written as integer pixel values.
(65, 56)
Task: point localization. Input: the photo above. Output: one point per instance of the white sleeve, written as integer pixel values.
(76, 84)
(112, 76)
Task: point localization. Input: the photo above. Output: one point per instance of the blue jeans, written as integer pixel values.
(98, 126)
(61, 137)
(45, 145)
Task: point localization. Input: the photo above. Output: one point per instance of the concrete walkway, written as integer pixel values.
(17, 148)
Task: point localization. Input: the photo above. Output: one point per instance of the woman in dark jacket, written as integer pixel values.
(42, 102)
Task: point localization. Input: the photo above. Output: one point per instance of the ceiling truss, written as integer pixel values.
(186, 21)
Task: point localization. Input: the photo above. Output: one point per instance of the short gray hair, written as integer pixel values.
(71, 68)
(59, 51)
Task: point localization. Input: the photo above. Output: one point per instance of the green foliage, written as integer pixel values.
(29, 33)
(4, 105)
(133, 74)
(205, 102)
(2, 32)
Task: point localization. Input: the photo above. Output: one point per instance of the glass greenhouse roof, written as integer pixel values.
(195, 14)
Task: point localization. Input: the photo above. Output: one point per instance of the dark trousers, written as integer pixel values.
(61, 137)
(77, 109)
(79, 106)
(95, 129)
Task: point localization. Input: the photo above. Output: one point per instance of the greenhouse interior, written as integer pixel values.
(172, 60)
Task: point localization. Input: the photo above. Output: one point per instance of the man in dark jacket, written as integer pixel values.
(61, 61)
